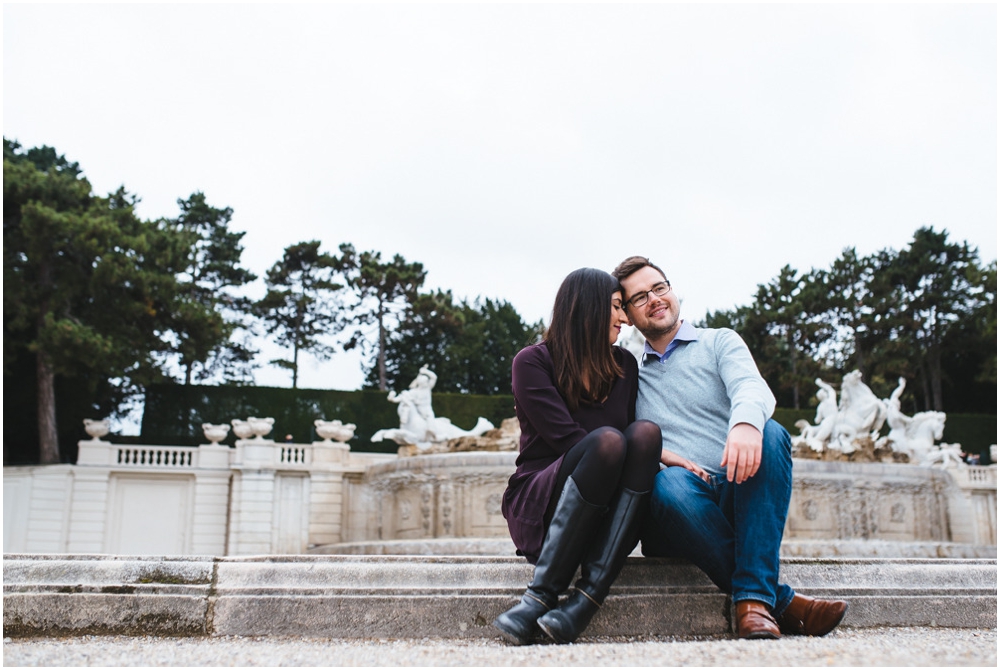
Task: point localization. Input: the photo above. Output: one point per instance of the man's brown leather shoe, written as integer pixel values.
(811, 616)
(754, 621)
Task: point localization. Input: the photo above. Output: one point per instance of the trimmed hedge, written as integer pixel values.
(787, 417)
(174, 413)
(975, 432)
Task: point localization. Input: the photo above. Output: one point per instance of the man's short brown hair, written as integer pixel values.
(634, 264)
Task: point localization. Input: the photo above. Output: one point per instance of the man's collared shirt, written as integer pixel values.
(686, 333)
(709, 384)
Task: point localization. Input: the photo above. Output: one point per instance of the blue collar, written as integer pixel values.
(686, 333)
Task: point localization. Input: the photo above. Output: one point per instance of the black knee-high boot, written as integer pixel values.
(600, 567)
(569, 532)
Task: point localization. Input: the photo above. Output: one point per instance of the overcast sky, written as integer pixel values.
(504, 146)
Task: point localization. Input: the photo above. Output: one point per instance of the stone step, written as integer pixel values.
(342, 596)
(790, 548)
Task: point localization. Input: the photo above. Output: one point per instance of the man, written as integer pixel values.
(722, 500)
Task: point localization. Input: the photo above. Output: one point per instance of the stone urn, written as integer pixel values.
(260, 427)
(241, 429)
(96, 429)
(215, 432)
(334, 431)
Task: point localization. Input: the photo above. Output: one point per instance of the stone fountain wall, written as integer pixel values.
(864, 508)
(870, 501)
(264, 497)
(434, 496)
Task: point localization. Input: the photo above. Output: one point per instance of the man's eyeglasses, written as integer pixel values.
(659, 290)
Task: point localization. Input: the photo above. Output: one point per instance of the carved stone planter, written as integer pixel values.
(260, 427)
(215, 432)
(96, 429)
(334, 431)
(241, 429)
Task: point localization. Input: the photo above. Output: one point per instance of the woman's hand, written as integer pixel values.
(672, 460)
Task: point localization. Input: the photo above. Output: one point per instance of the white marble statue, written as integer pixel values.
(922, 431)
(859, 414)
(419, 393)
(898, 422)
(817, 436)
(417, 423)
(334, 431)
(915, 435)
(944, 456)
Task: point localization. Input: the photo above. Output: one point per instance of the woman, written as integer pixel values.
(585, 467)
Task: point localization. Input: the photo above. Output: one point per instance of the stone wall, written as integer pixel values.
(263, 497)
(436, 496)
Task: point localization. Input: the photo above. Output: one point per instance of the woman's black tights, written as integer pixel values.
(607, 459)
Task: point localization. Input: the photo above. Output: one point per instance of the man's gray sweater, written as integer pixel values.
(703, 389)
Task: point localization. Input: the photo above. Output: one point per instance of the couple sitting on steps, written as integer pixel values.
(679, 450)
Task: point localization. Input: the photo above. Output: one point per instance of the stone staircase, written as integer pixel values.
(363, 596)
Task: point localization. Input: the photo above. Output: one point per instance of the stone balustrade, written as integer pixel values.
(978, 487)
(99, 453)
(264, 497)
(976, 477)
(259, 497)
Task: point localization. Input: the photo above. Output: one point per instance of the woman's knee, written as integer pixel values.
(643, 430)
(643, 438)
(609, 439)
(609, 443)
(606, 434)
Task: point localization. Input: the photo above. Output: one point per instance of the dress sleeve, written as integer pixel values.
(539, 401)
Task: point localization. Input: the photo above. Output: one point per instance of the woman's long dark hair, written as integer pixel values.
(578, 336)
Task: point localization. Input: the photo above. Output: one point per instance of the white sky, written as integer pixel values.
(504, 146)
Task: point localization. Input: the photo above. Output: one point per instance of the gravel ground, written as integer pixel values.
(845, 647)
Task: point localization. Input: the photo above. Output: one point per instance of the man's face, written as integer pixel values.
(661, 314)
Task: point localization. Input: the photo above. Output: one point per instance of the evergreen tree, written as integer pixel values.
(302, 304)
(926, 313)
(790, 308)
(494, 333)
(210, 312)
(986, 327)
(87, 285)
(427, 333)
(382, 292)
(469, 346)
(848, 285)
(938, 286)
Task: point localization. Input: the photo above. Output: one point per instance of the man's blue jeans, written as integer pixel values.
(731, 531)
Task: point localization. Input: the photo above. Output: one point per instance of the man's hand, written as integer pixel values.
(670, 459)
(741, 458)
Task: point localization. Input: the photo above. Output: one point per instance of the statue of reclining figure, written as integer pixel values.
(417, 423)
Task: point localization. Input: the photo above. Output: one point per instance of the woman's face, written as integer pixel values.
(618, 317)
